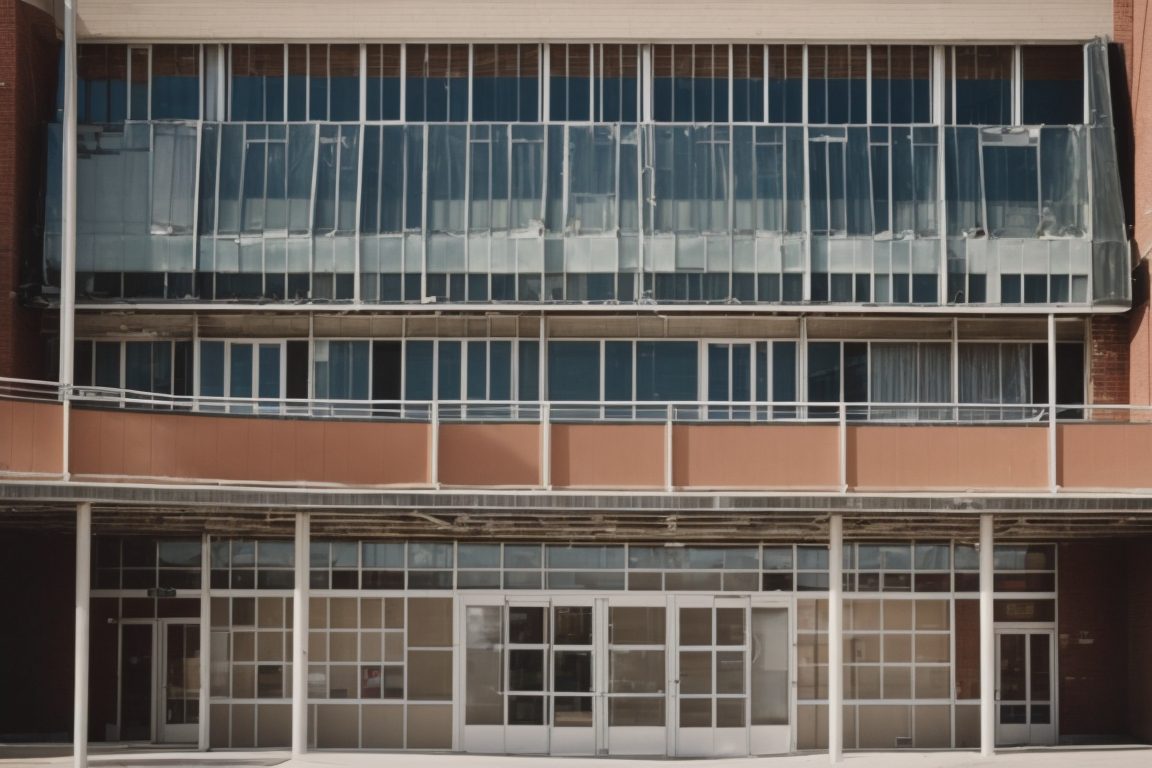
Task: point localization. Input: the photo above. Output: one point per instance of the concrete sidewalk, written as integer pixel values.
(1121, 756)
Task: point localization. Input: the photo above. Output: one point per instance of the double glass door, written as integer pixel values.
(1024, 671)
(159, 681)
(626, 675)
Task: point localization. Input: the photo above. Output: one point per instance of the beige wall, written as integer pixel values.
(758, 20)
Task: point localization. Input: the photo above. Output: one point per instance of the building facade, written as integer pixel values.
(577, 378)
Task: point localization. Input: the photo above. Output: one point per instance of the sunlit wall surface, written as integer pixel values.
(738, 174)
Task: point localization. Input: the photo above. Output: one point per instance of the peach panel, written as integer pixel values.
(199, 447)
(754, 456)
(490, 454)
(947, 456)
(1104, 456)
(608, 455)
(31, 437)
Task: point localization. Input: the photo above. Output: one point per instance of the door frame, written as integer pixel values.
(160, 733)
(1026, 629)
(158, 675)
(152, 686)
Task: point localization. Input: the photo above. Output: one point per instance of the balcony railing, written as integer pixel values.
(694, 446)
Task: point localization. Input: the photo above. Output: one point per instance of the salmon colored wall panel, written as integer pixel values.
(1104, 455)
(608, 456)
(961, 457)
(165, 445)
(31, 436)
(490, 454)
(754, 456)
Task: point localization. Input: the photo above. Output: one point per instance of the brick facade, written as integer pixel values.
(28, 56)
(1108, 351)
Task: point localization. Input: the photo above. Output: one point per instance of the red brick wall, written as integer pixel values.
(1108, 361)
(1139, 613)
(27, 100)
(1092, 638)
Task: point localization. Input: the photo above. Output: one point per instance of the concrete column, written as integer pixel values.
(205, 641)
(68, 236)
(835, 638)
(80, 684)
(987, 643)
(300, 637)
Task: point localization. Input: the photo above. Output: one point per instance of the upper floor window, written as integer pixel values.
(324, 82)
(690, 83)
(257, 83)
(175, 82)
(437, 83)
(383, 82)
(980, 81)
(837, 84)
(506, 83)
(591, 81)
(1053, 84)
(901, 84)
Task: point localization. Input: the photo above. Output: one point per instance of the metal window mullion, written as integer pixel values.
(403, 80)
(284, 86)
(645, 81)
(941, 171)
(424, 210)
(357, 288)
(312, 207)
(806, 283)
(468, 88)
(868, 82)
(1017, 87)
(592, 81)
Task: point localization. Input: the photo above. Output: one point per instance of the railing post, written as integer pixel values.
(843, 447)
(434, 447)
(668, 479)
(545, 446)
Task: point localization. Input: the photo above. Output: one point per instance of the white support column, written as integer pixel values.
(835, 638)
(300, 637)
(987, 643)
(1053, 479)
(205, 641)
(80, 683)
(68, 234)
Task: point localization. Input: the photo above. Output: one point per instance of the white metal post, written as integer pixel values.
(205, 641)
(80, 683)
(835, 638)
(300, 637)
(68, 231)
(669, 467)
(987, 643)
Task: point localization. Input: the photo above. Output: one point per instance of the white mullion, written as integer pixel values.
(357, 288)
(644, 80)
(591, 83)
(868, 84)
(424, 202)
(806, 283)
(1017, 86)
(284, 90)
(764, 49)
(403, 80)
(545, 82)
(148, 84)
(731, 85)
(468, 89)
(312, 209)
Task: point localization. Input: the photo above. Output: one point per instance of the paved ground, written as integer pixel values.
(1060, 757)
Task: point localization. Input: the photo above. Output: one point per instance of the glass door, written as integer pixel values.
(531, 675)
(711, 676)
(137, 667)
(636, 690)
(729, 380)
(255, 370)
(179, 720)
(1024, 673)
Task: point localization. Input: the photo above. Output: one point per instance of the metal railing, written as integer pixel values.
(698, 411)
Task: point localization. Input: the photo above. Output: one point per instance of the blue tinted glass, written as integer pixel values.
(418, 370)
(574, 370)
(269, 370)
(666, 370)
(500, 370)
(784, 371)
(824, 371)
(618, 371)
(138, 365)
(529, 371)
(240, 377)
(449, 371)
(718, 381)
(211, 368)
(477, 370)
(348, 370)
